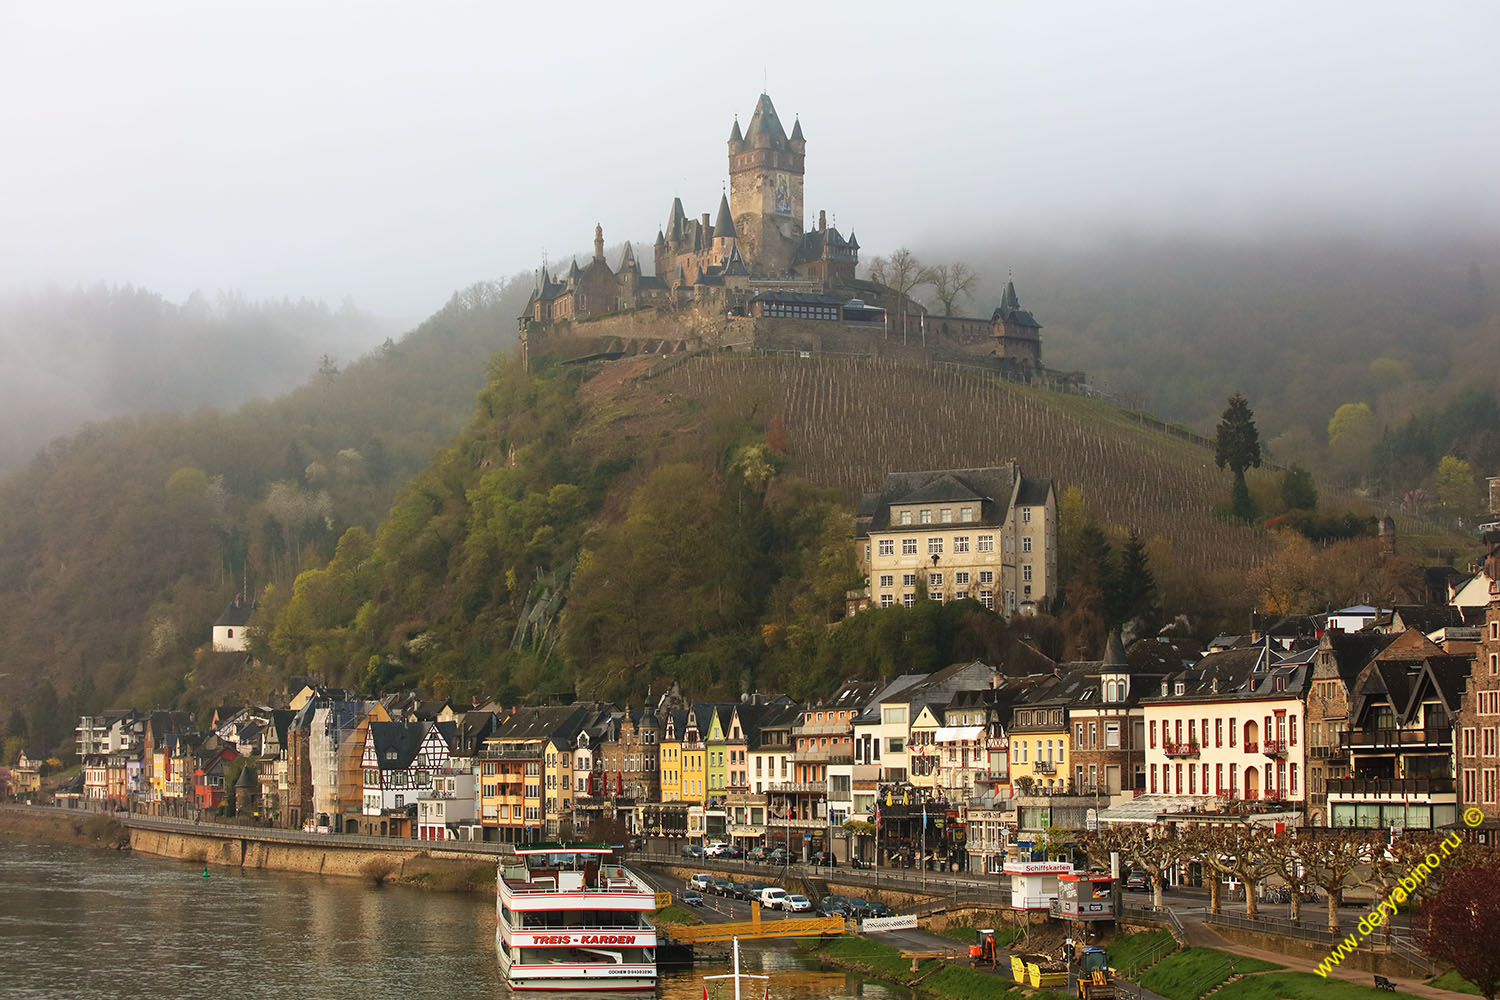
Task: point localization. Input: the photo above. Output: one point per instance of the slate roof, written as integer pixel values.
(1353, 650)
(237, 614)
(724, 224)
(1399, 682)
(992, 488)
(396, 743)
(765, 131)
(1244, 672)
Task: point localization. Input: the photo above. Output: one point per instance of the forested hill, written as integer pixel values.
(695, 526)
(120, 544)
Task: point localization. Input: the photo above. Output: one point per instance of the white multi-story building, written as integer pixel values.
(1229, 731)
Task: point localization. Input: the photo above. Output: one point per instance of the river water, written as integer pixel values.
(83, 923)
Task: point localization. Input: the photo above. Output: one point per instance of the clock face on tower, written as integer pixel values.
(782, 186)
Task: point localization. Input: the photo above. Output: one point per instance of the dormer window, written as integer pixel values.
(1281, 683)
(1180, 688)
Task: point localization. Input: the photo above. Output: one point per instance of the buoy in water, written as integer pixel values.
(205, 871)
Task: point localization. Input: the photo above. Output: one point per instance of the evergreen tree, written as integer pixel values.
(1137, 597)
(1237, 445)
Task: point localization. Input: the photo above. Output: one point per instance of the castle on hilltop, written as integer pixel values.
(754, 274)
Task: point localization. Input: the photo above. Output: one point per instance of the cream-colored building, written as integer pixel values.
(987, 534)
(1230, 730)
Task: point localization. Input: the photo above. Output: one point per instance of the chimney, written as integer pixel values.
(822, 221)
(706, 227)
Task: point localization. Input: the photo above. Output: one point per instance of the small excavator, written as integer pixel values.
(1096, 980)
(982, 952)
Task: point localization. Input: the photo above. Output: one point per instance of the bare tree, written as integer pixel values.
(901, 272)
(1336, 861)
(949, 281)
(1154, 849)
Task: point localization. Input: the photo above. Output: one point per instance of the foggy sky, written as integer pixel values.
(394, 152)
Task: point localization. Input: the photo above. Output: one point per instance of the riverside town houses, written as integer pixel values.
(1299, 722)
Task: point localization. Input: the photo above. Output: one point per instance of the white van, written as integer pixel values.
(771, 897)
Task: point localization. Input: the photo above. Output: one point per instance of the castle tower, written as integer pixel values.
(765, 189)
(599, 242)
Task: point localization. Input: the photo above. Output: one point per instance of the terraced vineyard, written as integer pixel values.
(851, 420)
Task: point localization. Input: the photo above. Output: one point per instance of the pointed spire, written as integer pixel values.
(765, 131)
(661, 239)
(724, 224)
(734, 134)
(797, 130)
(675, 220)
(1114, 650)
(599, 241)
(627, 258)
(1009, 299)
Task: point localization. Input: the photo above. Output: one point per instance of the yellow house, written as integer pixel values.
(694, 769)
(558, 783)
(1039, 734)
(670, 757)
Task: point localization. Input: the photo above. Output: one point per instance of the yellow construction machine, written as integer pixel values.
(1096, 980)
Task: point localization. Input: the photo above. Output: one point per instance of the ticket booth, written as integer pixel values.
(1085, 896)
(1034, 884)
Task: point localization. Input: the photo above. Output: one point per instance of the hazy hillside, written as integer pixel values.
(120, 544)
(103, 352)
(1301, 325)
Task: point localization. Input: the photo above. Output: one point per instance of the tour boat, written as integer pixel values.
(571, 918)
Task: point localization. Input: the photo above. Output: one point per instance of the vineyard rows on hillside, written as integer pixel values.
(851, 421)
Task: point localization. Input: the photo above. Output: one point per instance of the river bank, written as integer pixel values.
(934, 978)
(251, 848)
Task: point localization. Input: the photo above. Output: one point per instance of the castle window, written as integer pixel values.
(908, 546)
(966, 513)
(985, 543)
(905, 517)
(887, 546)
(960, 543)
(926, 517)
(946, 515)
(1025, 515)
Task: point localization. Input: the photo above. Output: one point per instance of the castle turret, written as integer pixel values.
(736, 139)
(724, 238)
(676, 221)
(599, 242)
(660, 254)
(798, 144)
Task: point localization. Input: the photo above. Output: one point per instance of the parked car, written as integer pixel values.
(878, 909)
(796, 904)
(714, 848)
(1137, 882)
(777, 856)
(691, 898)
(700, 881)
(692, 851)
(722, 887)
(756, 854)
(823, 859)
(752, 889)
(771, 896)
(733, 852)
(739, 891)
(857, 908)
(831, 905)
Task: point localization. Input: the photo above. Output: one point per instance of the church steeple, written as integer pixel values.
(599, 242)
